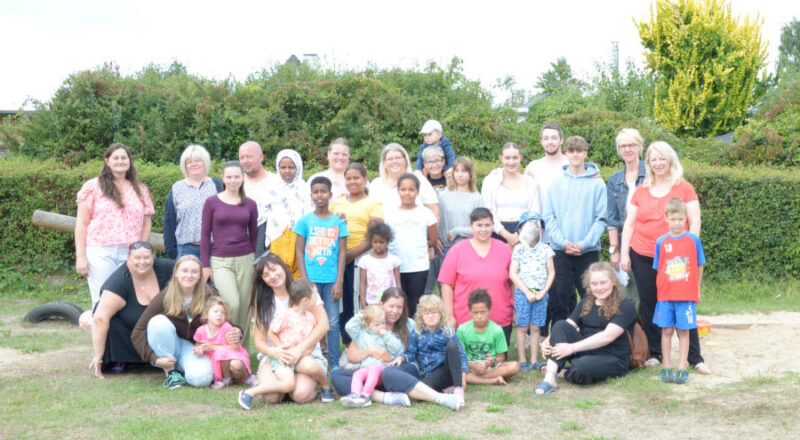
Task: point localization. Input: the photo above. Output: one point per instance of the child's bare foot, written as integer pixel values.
(500, 381)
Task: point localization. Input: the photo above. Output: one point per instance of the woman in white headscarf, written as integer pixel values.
(286, 203)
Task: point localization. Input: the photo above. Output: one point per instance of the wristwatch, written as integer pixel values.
(612, 250)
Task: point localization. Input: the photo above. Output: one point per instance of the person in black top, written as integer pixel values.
(592, 340)
(123, 298)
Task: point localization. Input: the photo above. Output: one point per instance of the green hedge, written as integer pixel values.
(751, 216)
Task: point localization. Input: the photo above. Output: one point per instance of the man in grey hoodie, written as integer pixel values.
(575, 216)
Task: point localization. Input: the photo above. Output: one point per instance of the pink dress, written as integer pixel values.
(222, 354)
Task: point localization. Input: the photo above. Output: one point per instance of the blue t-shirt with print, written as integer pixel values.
(322, 245)
(533, 263)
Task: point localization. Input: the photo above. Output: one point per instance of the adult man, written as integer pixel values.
(575, 215)
(550, 167)
(257, 182)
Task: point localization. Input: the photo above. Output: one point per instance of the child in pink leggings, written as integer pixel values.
(369, 330)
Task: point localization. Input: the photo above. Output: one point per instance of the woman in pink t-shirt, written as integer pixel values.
(114, 211)
(644, 224)
(480, 262)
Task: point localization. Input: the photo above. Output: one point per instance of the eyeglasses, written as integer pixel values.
(395, 158)
(433, 161)
(141, 244)
(628, 146)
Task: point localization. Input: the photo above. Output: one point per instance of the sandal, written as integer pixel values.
(682, 376)
(539, 365)
(524, 366)
(220, 384)
(652, 362)
(702, 368)
(251, 381)
(667, 375)
(546, 388)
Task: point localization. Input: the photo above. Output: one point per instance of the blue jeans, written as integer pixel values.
(188, 249)
(332, 310)
(165, 342)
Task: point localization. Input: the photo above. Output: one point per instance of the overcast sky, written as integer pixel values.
(46, 40)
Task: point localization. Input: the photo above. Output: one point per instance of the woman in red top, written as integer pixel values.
(644, 224)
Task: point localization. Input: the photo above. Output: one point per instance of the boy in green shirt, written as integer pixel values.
(485, 344)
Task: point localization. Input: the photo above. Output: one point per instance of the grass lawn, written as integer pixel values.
(47, 393)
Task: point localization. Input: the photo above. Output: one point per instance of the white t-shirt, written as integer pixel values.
(545, 174)
(410, 240)
(380, 275)
(259, 192)
(391, 198)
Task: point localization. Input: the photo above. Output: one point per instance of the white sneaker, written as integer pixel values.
(652, 362)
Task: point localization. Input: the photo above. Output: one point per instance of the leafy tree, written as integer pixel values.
(789, 50)
(558, 78)
(629, 92)
(706, 62)
(516, 96)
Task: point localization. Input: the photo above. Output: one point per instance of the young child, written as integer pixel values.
(432, 134)
(485, 344)
(230, 361)
(532, 271)
(379, 270)
(679, 260)
(415, 231)
(437, 353)
(369, 330)
(289, 329)
(321, 246)
(360, 211)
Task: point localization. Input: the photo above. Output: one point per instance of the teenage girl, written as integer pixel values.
(232, 220)
(360, 211)
(415, 233)
(457, 203)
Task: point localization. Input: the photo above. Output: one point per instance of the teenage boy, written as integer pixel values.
(549, 167)
(574, 215)
(432, 134)
(321, 246)
(485, 344)
(679, 260)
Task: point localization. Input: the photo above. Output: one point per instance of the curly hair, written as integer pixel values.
(610, 306)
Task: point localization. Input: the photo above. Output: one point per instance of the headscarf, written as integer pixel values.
(287, 202)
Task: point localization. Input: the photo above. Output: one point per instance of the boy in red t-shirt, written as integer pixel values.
(679, 260)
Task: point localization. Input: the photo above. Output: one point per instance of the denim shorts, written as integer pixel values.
(530, 313)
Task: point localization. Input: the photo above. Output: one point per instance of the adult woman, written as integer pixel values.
(338, 159)
(183, 209)
(593, 338)
(645, 222)
(271, 281)
(123, 299)
(480, 262)
(510, 193)
(394, 163)
(114, 211)
(620, 189)
(232, 220)
(163, 334)
(286, 203)
(399, 382)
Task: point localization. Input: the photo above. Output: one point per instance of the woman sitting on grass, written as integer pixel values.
(592, 340)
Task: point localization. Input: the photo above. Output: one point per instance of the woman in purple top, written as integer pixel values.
(231, 219)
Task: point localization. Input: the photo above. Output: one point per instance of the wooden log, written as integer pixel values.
(66, 223)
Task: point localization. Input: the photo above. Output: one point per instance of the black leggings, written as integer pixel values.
(413, 285)
(569, 271)
(448, 374)
(645, 275)
(586, 367)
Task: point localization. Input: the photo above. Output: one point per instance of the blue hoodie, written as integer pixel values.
(576, 210)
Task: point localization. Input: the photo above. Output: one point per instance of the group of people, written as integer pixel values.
(338, 259)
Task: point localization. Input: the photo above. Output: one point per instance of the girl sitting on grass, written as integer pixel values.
(230, 361)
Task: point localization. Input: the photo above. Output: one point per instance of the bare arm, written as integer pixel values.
(513, 274)
(693, 212)
(597, 340)
(146, 227)
(300, 255)
(613, 240)
(81, 225)
(338, 286)
(551, 277)
(447, 298)
(362, 287)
